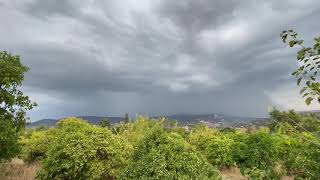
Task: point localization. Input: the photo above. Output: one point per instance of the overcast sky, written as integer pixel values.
(156, 57)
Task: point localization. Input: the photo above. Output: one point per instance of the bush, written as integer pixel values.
(136, 131)
(82, 151)
(201, 135)
(255, 154)
(36, 146)
(218, 151)
(162, 155)
(300, 157)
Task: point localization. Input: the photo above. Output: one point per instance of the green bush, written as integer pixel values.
(255, 154)
(300, 157)
(135, 131)
(162, 155)
(201, 135)
(214, 145)
(82, 151)
(36, 146)
(218, 151)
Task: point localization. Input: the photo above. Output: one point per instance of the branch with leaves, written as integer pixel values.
(309, 65)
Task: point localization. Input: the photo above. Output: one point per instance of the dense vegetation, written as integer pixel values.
(160, 149)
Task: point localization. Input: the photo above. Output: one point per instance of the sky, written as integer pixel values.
(157, 57)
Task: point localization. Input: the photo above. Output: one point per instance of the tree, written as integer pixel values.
(104, 122)
(8, 139)
(126, 118)
(308, 60)
(13, 104)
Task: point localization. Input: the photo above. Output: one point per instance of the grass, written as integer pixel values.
(16, 169)
(232, 174)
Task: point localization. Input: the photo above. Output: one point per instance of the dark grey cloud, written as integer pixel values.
(156, 57)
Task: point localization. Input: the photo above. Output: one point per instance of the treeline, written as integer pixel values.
(160, 149)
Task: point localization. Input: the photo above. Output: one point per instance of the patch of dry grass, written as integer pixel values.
(16, 169)
(232, 173)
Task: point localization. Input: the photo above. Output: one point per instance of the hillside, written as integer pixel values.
(211, 120)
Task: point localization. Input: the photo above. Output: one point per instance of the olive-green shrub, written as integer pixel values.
(82, 151)
(300, 157)
(255, 154)
(214, 145)
(162, 155)
(218, 151)
(35, 147)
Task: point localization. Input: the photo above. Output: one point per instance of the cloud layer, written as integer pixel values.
(157, 57)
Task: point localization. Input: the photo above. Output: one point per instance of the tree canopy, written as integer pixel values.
(13, 103)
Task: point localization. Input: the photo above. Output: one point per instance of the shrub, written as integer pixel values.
(162, 155)
(201, 135)
(300, 157)
(36, 146)
(218, 151)
(255, 154)
(82, 151)
(136, 131)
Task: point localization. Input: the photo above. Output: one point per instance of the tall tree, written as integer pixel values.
(13, 104)
(309, 65)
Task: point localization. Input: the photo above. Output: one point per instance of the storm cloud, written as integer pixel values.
(157, 56)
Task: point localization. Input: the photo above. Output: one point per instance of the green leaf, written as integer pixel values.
(292, 43)
(308, 83)
(308, 100)
(312, 78)
(303, 90)
(299, 80)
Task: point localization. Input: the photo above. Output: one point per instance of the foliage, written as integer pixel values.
(8, 139)
(255, 154)
(308, 60)
(218, 151)
(105, 123)
(201, 135)
(136, 131)
(13, 104)
(82, 151)
(35, 147)
(162, 155)
(215, 146)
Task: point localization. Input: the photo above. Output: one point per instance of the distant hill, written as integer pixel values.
(90, 119)
(213, 120)
(45, 122)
